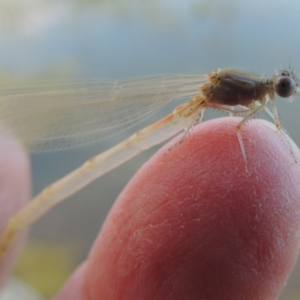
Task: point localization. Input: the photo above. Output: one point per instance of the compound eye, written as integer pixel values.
(285, 87)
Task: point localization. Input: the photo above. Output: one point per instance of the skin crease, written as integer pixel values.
(192, 225)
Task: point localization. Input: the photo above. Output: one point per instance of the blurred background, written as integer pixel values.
(113, 39)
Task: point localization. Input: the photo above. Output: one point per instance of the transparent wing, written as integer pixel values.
(48, 117)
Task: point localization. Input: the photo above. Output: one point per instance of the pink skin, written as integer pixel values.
(191, 225)
(15, 191)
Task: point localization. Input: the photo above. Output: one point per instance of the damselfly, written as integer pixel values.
(62, 116)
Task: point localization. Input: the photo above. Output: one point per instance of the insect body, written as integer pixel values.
(229, 87)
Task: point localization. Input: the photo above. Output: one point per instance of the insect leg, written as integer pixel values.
(239, 135)
(282, 133)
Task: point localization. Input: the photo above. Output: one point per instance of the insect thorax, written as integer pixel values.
(233, 87)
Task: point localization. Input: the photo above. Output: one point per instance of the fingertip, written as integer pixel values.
(15, 190)
(73, 288)
(191, 224)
